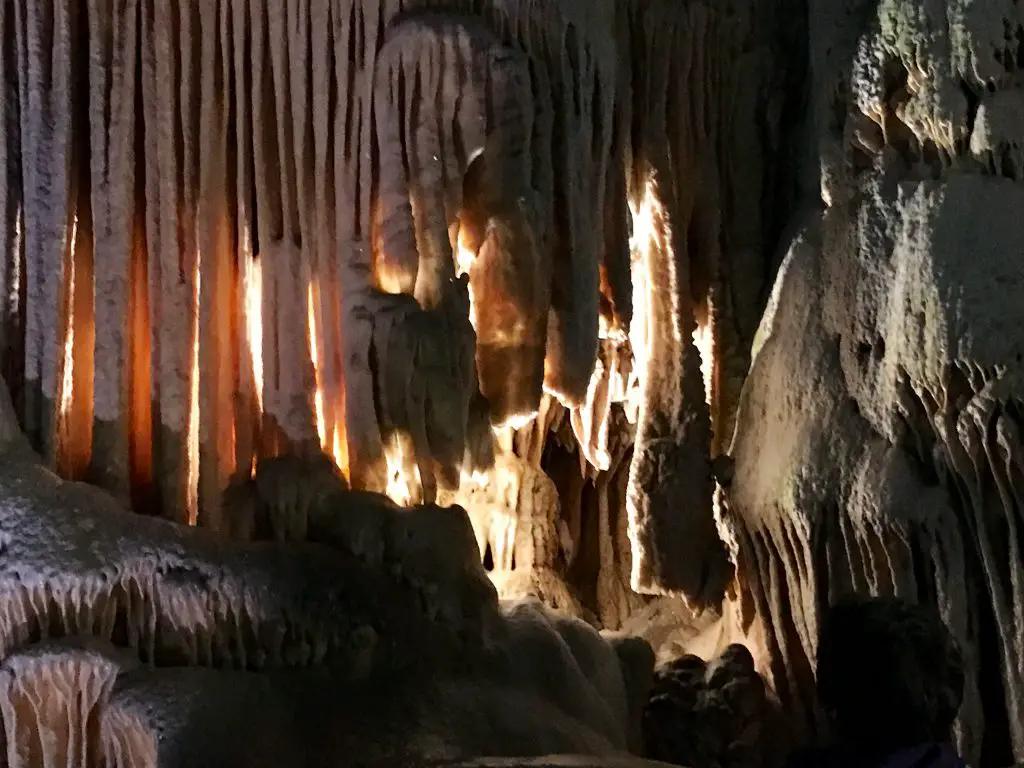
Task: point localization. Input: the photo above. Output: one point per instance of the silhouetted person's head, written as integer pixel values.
(890, 674)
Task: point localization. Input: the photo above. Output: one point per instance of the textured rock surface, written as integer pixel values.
(572, 701)
(76, 564)
(52, 696)
(877, 444)
(394, 623)
(708, 714)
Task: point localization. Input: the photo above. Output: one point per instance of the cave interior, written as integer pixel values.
(405, 381)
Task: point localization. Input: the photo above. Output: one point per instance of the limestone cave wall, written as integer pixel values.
(877, 444)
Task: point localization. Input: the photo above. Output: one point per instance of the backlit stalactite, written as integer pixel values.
(394, 233)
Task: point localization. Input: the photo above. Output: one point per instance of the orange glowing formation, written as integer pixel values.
(403, 481)
(314, 355)
(252, 285)
(192, 502)
(67, 388)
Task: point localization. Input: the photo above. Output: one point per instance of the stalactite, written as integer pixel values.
(172, 265)
(217, 311)
(248, 308)
(114, 41)
(52, 695)
(44, 39)
(325, 107)
(11, 206)
(257, 169)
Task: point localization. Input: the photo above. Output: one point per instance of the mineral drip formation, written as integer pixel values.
(398, 233)
(137, 642)
(310, 274)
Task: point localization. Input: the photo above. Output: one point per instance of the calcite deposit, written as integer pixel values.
(139, 642)
(878, 444)
(234, 230)
(334, 331)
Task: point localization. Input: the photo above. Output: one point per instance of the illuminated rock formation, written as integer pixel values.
(393, 622)
(308, 273)
(252, 244)
(262, 262)
(52, 696)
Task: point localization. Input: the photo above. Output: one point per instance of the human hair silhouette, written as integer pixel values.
(889, 674)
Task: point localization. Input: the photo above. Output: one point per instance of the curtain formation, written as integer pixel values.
(233, 229)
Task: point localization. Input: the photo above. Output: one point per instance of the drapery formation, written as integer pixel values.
(234, 229)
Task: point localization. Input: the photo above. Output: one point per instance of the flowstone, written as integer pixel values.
(878, 443)
(385, 642)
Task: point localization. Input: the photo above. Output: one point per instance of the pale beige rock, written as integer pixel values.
(877, 443)
(51, 697)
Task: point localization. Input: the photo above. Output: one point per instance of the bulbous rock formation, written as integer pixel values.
(707, 714)
(392, 622)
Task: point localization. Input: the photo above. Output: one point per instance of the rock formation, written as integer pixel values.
(254, 240)
(374, 312)
(707, 714)
(177, 637)
(877, 444)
